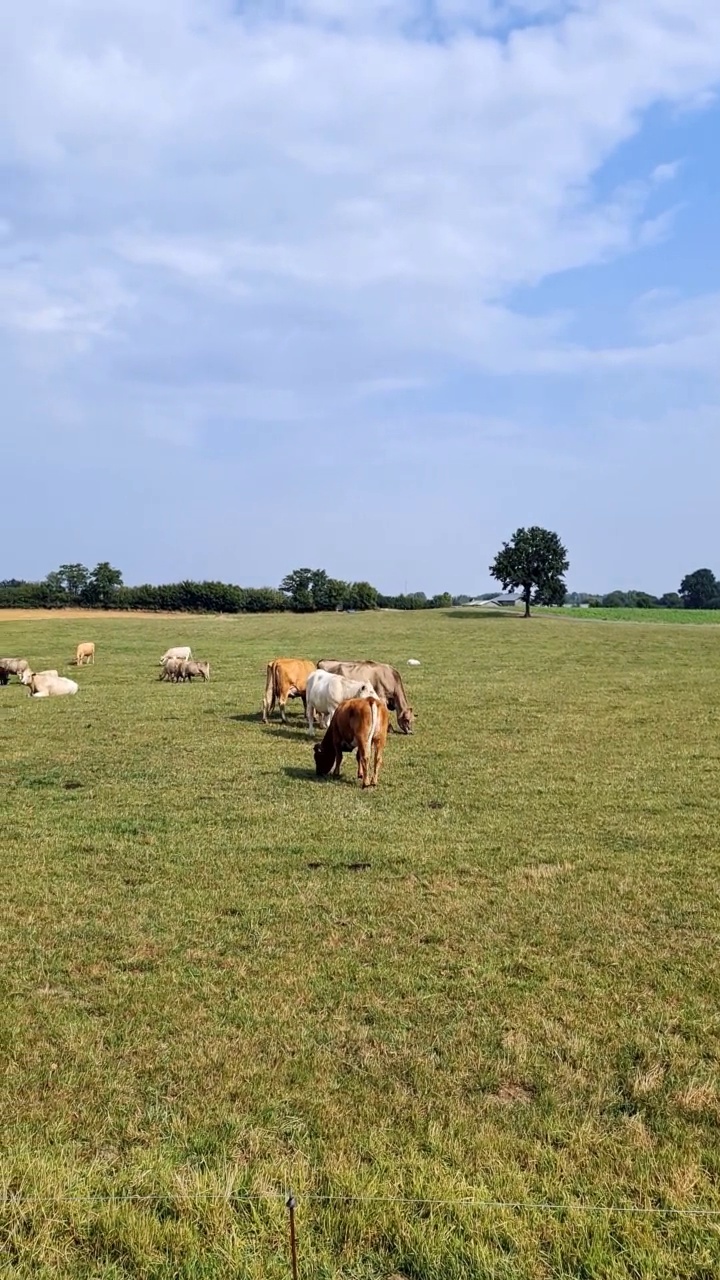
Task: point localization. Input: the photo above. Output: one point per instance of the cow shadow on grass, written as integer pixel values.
(309, 775)
(275, 729)
(482, 615)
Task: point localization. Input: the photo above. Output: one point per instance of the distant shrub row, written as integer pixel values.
(303, 591)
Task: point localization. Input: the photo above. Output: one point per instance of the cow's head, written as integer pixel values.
(406, 719)
(324, 758)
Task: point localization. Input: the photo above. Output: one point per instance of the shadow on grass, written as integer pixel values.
(483, 615)
(348, 779)
(292, 771)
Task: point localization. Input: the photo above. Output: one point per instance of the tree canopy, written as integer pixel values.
(534, 560)
(699, 589)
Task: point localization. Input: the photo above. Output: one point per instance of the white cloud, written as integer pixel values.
(321, 194)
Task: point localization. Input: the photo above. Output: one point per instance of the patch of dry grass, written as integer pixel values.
(492, 980)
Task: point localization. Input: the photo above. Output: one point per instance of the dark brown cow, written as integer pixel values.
(360, 724)
(286, 678)
(385, 680)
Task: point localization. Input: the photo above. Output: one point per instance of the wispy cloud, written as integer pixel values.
(218, 220)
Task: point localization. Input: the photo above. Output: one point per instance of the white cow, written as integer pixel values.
(28, 676)
(325, 692)
(43, 685)
(184, 653)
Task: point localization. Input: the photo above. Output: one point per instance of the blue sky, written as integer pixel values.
(363, 286)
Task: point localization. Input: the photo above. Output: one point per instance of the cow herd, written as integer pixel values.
(349, 700)
(177, 666)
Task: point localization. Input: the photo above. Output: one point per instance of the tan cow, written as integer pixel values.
(12, 667)
(188, 670)
(385, 680)
(286, 678)
(85, 653)
(28, 675)
(360, 724)
(171, 669)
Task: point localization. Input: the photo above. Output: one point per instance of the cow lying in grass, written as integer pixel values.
(360, 724)
(43, 684)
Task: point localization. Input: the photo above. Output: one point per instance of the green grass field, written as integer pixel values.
(699, 617)
(494, 979)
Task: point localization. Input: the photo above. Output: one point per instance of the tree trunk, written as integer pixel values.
(528, 591)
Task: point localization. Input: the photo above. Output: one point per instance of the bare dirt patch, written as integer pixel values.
(42, 615)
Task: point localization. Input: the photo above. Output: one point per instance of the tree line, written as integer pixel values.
(533, 562)
(698, 590)
(302, 591)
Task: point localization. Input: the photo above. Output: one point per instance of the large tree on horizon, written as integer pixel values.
(533, 560)
(699, 588)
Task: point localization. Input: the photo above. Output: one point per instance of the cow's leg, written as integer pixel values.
(378, 763)
(282, 701)
(338, 761)
(363, 764)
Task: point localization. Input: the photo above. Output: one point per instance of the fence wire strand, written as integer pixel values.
(16, 1198)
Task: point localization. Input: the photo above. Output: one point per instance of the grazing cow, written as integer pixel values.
(184, 653)
(360, 724)
(13, 667)
(171, 669)
(44, 685)
(286, 678)
(189, 670)
(85, 653)
(28, 675)
(4, 675)
(386, 681)
(325, 692)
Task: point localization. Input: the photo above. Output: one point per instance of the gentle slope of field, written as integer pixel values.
(494, 979)
(700, 617)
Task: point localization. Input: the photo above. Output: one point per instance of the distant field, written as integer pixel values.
(496, 979)
(702, 616)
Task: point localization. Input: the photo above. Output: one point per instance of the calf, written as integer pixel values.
(325, 692)
(85, 653)
(360, 724)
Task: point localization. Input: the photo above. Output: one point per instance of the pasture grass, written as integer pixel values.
(698, 617)
(495, 979)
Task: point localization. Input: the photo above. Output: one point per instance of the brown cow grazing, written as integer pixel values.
(286, 678)
(359, 724)
(85, 653)
(385, 680)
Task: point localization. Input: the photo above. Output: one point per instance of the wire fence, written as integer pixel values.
(17, 1198)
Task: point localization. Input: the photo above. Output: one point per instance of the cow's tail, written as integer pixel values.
(373, 727)
(270, 688)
